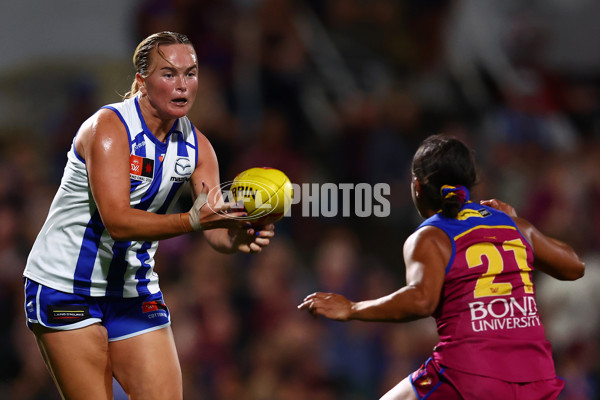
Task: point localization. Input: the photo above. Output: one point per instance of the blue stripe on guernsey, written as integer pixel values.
(140, 275)
(142, 253)
(118, 266)
(174, 189)
(77, 154)
(195, 146)
(182, 151)
(134, 185)
(117, 269)
(122, 120)
(149, 196)
(139, 148)
(452, 256)
(87, 255)
(181, 146)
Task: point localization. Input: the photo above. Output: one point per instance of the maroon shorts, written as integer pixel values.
(434, 382)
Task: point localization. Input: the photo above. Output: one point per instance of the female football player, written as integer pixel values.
(92, 298)
(469, 266)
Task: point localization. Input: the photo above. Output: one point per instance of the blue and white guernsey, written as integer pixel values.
(74, 253)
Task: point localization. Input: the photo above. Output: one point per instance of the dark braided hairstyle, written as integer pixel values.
(445, 168)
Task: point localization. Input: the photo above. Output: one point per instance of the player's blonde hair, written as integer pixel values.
(142, 57)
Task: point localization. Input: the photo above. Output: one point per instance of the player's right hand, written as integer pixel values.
(205, 216)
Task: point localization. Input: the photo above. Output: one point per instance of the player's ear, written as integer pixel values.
(140, 83)
(416, 186)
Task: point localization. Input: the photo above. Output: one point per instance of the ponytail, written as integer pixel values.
(453, 198)
(133, 91)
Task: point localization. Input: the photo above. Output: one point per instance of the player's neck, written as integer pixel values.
(159, 127)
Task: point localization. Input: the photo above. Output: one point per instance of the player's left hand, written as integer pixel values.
(253, 239)
(330, 305)
(500, 205)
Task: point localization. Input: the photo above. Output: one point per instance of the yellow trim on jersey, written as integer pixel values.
(68, 311)
(468, 213)
(485, 227)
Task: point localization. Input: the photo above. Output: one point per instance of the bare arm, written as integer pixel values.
(426, 253)
(102, 142)
(552, 256)
(237, 236)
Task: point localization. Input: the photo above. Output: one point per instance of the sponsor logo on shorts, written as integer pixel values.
(67, 314)
(149, 306)
(154, 309)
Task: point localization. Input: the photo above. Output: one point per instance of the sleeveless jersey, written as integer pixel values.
(487, 318)
(74, 253)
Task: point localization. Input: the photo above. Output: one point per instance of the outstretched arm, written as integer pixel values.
(102, 142)
(237, 235)
(426, 253)
(552, 256)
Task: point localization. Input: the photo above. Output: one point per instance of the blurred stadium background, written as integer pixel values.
(337, 91)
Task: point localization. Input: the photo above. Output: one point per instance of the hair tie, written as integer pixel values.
(459, 191)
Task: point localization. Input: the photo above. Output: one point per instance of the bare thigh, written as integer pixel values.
(402, 391)
(147, 366)
(78, 361)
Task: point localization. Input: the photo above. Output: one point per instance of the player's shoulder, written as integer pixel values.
(427, 235)
(105, 114)
(106, 122)
(428, 243)
(526, 228)
(100, 126)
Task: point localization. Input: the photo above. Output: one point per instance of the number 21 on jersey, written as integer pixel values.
(480, 253)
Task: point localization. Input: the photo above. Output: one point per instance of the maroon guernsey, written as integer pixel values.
(487, 317)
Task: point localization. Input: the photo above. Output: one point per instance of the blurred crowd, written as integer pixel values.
(338, 91)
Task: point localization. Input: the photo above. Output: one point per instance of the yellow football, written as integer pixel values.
(266, 194)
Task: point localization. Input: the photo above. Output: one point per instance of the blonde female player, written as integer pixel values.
(469, 266)
(92, 298)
